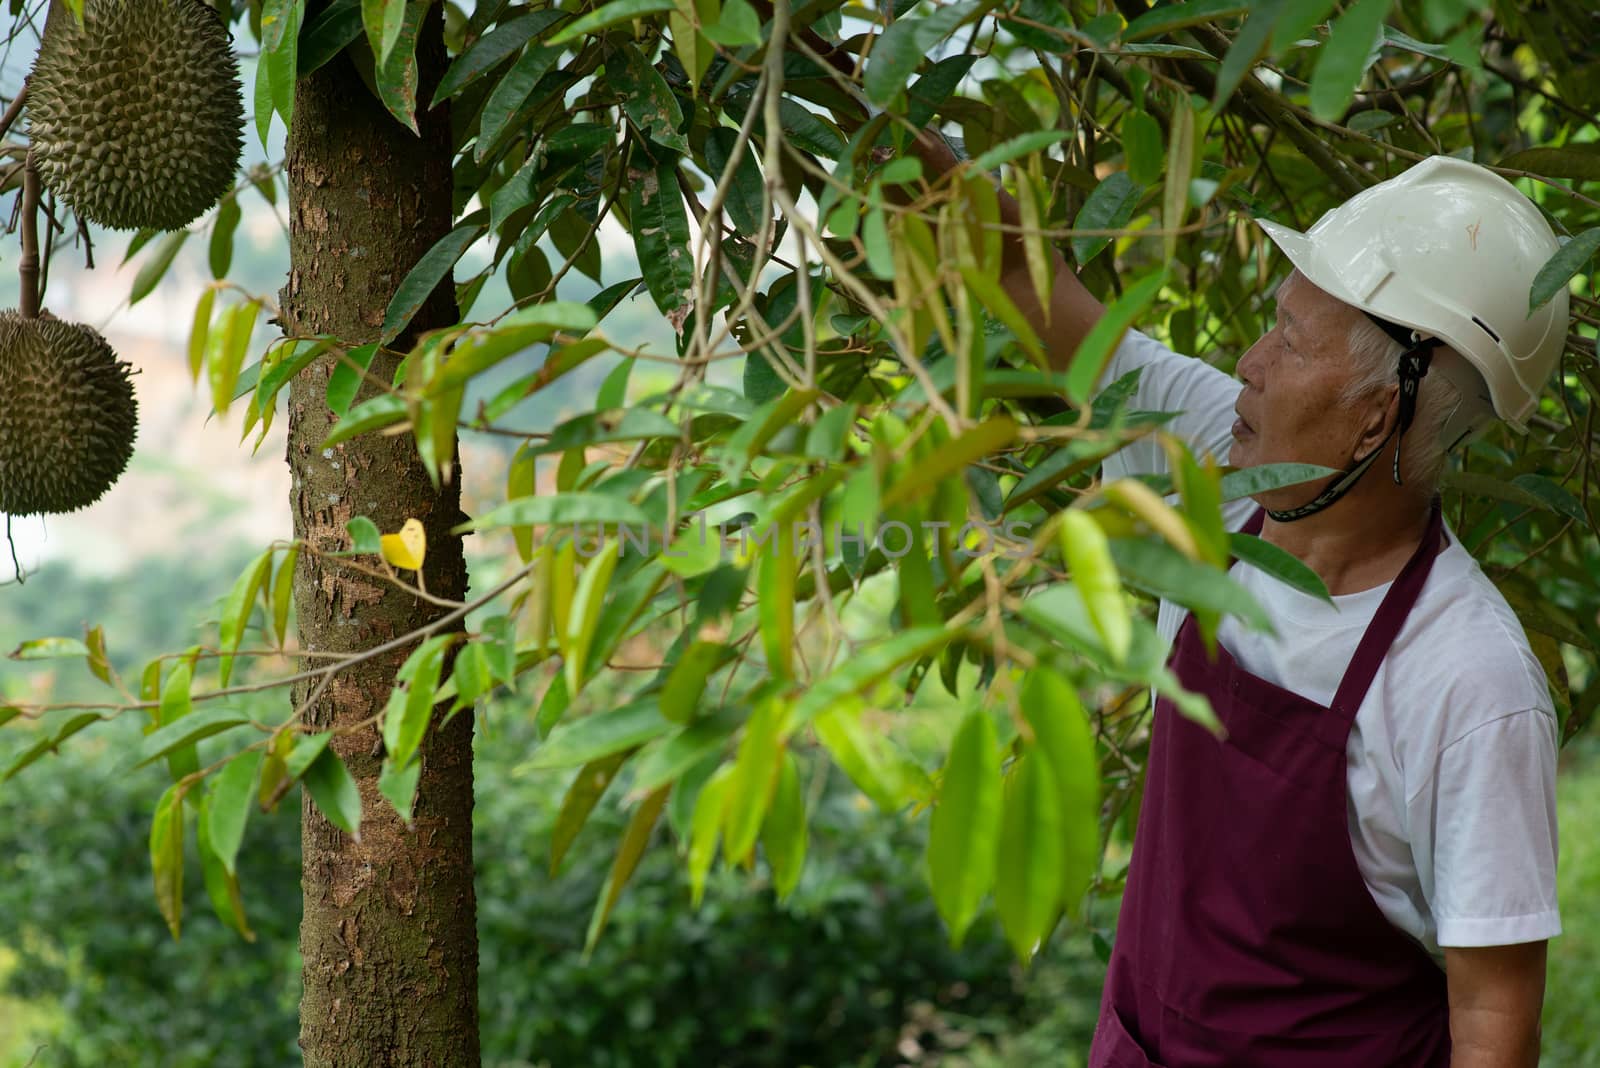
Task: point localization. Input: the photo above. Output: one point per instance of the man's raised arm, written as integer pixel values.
(1073, 309)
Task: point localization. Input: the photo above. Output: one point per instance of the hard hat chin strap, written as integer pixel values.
(1413, 369)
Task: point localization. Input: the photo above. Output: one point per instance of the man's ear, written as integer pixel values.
(1381, 411)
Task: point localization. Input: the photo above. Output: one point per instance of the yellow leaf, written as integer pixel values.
(407, 548)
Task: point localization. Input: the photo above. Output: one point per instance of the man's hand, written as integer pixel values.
(1496, 993)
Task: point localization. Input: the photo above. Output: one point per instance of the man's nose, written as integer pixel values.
(1249, 365)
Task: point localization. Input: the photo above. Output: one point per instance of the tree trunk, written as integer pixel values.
(389, 934)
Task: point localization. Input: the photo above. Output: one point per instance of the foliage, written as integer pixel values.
(853, 965)
(781, 225)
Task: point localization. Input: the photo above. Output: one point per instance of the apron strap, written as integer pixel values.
(1388, 620)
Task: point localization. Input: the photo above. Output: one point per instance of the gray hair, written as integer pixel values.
(1375, 359)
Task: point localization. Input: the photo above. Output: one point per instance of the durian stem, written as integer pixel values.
(28, 268)
(13, 109)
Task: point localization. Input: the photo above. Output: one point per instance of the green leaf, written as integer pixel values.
(471, 675)
(480, 350)
(965, 825)
(1569, 259)
(866, 756)
(434, 267)
(1164, 20)
(599, 735)
(646, 100)
(398, 786)
(808, 131)
(261, 102)
(280, 45)
(329, 34)
(345, 381)
(1296, 21)
(671, 757)
(236, 610)
(929, 92)
(755, 774)
(661, 237)
(901, 48)
(1279, 563)
(1579, 162)
(1103, 338)
(587, 600)
(867, 668)
(1088, 555)
(1162, 571)
(155, 267)
(783, 835)
(1027, 891)
(1109, 207)
(510, 92)
(736, 25)
(334, 791)
(1141, 142)
(307, 749)
(705, 829)
(94, 638)
(166, 857)
(581, 797)
(1349, 50)
(484, 54)
(383, 20)
(364, 535)
(744, 201)
(562, 509)
(1553, 497)
(403, 733)
(1019, 146)
(200, 331)
(680, 695)
(222, 885)
(283, 594)
(220, 252)
(1264, 478)
(634, 839)
(222, 370)
(50, 649)
(608, 15)
(232, 795)
(385, 409)
(614, 390)
(49, 744)
(1062, 735)
(187, 728)
(1249, 45)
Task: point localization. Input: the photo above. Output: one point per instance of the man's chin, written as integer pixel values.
(1241, 455)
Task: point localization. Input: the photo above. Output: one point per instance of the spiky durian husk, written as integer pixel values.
(135, 117)
(67, 415)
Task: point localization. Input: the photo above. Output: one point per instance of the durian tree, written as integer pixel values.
(856, 486)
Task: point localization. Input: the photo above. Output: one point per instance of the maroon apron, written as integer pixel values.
(1247, 936)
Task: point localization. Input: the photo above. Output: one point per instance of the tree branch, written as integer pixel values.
(28, 268)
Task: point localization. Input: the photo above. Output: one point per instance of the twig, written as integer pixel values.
(28, 268)
(13, 110)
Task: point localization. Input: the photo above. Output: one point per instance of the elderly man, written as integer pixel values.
(1362, 872)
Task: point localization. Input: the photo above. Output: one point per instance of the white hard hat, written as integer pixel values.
(1448, 249)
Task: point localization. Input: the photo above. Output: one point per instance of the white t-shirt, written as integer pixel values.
(1452, 758)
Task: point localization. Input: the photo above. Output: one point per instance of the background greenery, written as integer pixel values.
(853, 970)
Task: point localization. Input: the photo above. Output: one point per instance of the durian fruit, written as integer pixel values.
(135, 117)
(67, 415)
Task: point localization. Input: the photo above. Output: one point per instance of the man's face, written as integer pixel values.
(1292, 408)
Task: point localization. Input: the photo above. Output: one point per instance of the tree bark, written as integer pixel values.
(388, 935)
